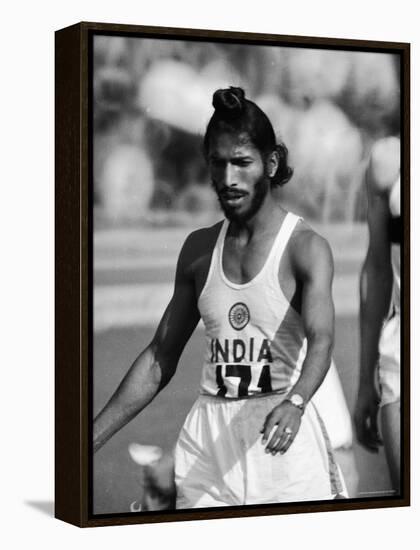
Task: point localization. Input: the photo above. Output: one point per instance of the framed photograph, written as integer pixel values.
(232, 274)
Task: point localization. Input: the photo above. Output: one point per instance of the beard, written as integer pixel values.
(230, 212)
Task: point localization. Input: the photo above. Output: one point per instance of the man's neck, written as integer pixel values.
(260, 223)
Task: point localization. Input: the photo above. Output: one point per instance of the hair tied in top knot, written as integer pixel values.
(229, 102)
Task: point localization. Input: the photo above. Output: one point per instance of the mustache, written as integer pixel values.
(230, 193)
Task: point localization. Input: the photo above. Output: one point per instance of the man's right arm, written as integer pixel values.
(156, 365)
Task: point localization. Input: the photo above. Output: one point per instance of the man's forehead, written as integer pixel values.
(237, 144)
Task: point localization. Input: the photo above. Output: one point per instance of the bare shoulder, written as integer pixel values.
(201, 239)
(310, 251)
(384, 164)
(198, 243)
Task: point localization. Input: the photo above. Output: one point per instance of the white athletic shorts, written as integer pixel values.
(331, 404)
(220, 460)
(389, 373)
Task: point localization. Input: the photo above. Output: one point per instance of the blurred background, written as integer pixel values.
(152, 101)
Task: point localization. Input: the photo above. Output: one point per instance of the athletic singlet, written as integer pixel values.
(255, 342)
(395, 209)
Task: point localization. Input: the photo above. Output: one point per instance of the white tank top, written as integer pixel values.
(395, 209)
(255, 342)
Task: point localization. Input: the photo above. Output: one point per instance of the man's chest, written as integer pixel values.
(241, 265)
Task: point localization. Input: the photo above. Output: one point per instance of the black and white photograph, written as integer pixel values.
(246, 214)
(138, 165)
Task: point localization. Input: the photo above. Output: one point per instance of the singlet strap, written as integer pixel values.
(222, 234)
(215, 256)
(282, 239)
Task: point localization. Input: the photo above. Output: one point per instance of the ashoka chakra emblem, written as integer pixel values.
(239, 316)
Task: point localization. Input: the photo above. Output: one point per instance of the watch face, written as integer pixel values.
(297, 400)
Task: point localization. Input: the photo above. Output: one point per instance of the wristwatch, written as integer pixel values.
(297, 401)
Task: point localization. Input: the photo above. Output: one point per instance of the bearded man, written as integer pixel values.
(261, 282)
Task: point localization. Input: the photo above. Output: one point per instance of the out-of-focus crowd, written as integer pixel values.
(152, 101)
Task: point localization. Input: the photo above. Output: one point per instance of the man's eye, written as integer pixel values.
(243, 163)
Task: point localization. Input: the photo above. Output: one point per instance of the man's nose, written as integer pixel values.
(230, 175)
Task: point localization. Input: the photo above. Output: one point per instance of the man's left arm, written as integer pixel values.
(314, 268)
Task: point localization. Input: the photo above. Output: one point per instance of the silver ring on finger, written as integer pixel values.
(288, 431)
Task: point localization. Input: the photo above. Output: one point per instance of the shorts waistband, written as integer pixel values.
(214, 398)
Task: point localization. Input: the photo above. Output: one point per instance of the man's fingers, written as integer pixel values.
(369, 445)
(366, 440)
(272, 445)
(374, 430)
(272, 437)
(360, 425)
(275, 441)
(362, 435)
(270, 423)
(281, 425)
(286, 444)
(281, 440)
(367, 432)
(372, 439)
(289, 434)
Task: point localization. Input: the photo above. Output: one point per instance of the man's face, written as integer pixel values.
(238, 175)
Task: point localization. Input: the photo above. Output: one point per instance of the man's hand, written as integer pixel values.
(366, 419)
(287, 418)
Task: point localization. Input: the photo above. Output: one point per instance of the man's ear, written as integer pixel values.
(272, 163)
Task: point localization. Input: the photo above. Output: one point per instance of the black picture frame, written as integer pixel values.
(74, 269)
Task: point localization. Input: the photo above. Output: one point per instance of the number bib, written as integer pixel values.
(239, 380)
(237, 368)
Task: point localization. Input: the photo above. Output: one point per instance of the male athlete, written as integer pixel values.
(380, 309)
(261, 283)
